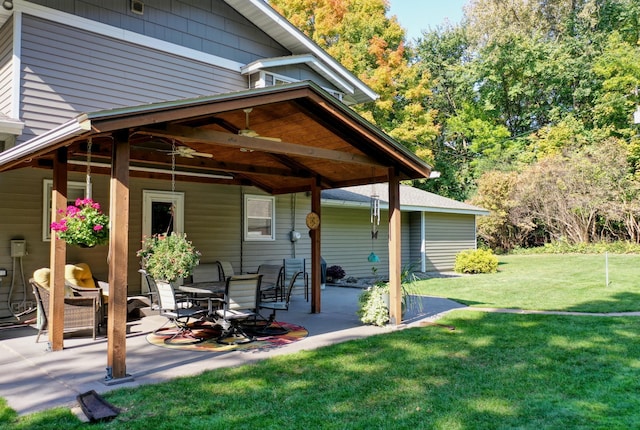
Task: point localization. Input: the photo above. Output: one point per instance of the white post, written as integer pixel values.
(606, 268)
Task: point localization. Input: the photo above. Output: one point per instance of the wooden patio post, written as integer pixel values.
(315, 250)
(118, 257)
(395, 289)
(58, 253)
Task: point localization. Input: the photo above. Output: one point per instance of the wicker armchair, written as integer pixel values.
(79, 312)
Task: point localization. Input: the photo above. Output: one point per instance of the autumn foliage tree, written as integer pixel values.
(360, 35)
(526, 106)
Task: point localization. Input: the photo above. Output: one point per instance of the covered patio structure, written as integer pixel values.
(281, 139)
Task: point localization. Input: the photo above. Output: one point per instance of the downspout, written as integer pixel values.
(423, 241)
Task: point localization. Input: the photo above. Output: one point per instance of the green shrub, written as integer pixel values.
(564, 247)
(476, 261)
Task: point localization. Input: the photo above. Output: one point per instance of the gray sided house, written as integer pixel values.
(219, 109)
(434, 229)
(60, 59)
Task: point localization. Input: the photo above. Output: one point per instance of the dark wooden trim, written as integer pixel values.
(395, 257)
(192, 112)
(58, 253)
(316, 249)
(118, 260)
(190, 134)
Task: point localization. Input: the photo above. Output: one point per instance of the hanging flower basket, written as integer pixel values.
(83, 224)
(168, 257)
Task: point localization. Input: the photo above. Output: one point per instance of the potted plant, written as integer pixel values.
(373, 303)
(335, 273)
(83, 224)
(168, 257)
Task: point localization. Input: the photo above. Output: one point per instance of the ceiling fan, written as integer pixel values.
(248, 132)
(187, 152)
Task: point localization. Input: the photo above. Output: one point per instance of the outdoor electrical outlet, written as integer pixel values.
(3, 272)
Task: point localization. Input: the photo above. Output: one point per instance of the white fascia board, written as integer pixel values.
(71, 128)
(124, 35)
(311, 60)
(11, 126)
(308, 44)
(16, 62)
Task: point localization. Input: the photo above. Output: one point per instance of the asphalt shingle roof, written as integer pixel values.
(410, 197)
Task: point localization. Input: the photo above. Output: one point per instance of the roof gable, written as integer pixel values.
(314, 140)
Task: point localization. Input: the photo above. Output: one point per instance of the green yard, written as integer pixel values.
(549, 282)
(473, 370)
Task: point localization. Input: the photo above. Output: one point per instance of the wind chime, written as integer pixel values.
(88, 186)
(173, 188)
(375, 222)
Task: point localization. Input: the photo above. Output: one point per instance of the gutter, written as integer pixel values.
(45, 142)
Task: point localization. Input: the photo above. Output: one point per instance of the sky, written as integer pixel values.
(417, 15)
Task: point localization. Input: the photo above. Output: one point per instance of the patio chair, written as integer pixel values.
(226, 269)
(271, 286)
(207, 272)
(292, 266)
(279, 305)
(178, 312)
(240, 304)
(79, 312)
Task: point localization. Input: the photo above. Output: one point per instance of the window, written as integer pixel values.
(263, 79)
(75, 190)
(259, 218)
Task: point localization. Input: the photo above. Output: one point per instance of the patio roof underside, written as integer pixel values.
(320, 141)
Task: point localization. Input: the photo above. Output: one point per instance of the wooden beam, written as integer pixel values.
(315, 249)
(118, 252)
(395, 261)
(58, 253)
(190, 134)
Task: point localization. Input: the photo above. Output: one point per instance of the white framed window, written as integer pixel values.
(259, 217)
(262, 79)
(75, 190)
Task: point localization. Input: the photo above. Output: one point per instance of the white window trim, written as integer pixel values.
(261, 82)
(174, 197)
(47, 187)
(250, 238)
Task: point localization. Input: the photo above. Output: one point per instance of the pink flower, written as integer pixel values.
(97, 227)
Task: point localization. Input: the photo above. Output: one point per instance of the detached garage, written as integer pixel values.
(434, 229)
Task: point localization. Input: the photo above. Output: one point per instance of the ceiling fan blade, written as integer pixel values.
(187, 152)
(247, 132)
(274, 139)
(203, 154)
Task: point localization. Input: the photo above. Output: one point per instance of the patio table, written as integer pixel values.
(210, 289)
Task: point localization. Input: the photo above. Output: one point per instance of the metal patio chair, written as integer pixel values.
(239, 305)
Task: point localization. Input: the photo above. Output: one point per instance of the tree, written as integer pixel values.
(371, 45)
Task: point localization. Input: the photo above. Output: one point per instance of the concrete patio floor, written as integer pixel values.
(33, 379)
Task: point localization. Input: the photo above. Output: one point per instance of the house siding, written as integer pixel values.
(346, 241)
(6, 68)
(212, 218)
(68, 71)
(445, 236)
(415, 239)
(301, 73)
(208, 26)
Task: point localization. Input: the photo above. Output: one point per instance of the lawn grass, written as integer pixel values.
(548, 282)
(493, 371)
